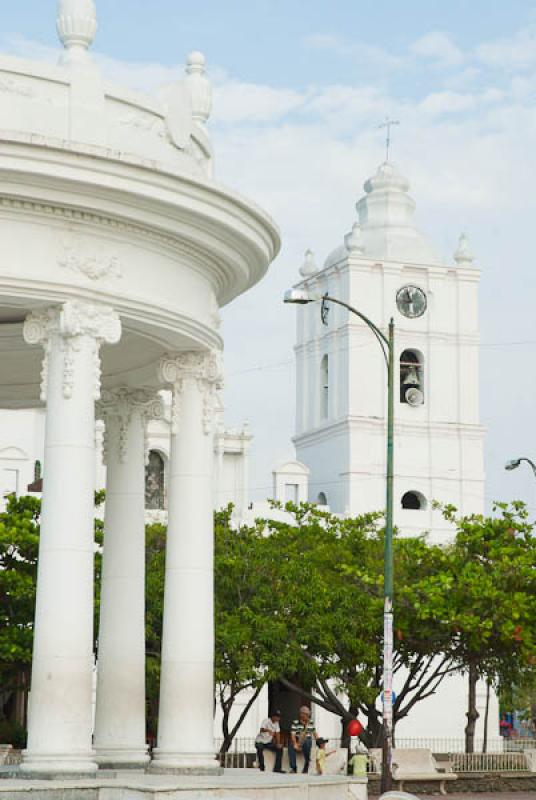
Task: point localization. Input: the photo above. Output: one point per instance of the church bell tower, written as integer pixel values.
(385, 268)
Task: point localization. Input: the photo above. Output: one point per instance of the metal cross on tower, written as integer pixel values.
(388, 124)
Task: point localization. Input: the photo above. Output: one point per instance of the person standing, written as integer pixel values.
(302, 732)
(269, 738)
(321, 755)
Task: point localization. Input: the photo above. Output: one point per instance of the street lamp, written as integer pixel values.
(302, 297)
(515, 462)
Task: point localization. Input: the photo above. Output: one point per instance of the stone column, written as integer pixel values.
(120, 713)
(60, 718)
(185, 727)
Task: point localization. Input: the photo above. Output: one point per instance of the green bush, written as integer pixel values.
(12, 733)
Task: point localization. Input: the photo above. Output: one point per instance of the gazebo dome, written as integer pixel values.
(387, 229)
(107, 194)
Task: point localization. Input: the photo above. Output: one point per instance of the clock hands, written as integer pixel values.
(411, 301)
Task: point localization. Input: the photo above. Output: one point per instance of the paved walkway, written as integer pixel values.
(482, 796)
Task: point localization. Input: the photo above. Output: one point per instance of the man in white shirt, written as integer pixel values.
(269, 738)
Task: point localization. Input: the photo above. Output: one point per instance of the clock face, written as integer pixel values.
(411, 301)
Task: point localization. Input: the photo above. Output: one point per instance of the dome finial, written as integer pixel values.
(199, 86)
(463, 255)
(76, 24)
(308, 268)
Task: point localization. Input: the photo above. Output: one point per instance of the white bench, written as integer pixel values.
(336, 763)
(530, 757)
(418, 764)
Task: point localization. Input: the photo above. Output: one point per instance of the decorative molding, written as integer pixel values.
(176, 244)
(93, 266)
(146, 122)
(13, 86)
(205, 368)
(66, 325)
(121, 404)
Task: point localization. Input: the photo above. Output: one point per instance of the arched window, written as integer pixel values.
(412, 378)
(324, 387)
(322, 500)
(155, 481)
(414, 501)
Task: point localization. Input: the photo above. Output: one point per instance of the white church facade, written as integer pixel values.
(341, 376)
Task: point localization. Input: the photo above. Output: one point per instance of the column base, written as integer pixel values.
(122, 757)
(58, 764)
(184, 763)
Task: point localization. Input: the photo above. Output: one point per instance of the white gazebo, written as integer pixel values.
(118, 249)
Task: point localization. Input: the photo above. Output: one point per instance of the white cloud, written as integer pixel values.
(462, 79)
(366, 55)
(235, 101)
(28, 48)
(447, 103)
(439, 47)
(510, 53)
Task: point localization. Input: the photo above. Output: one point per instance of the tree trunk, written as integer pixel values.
(374, 728)
(226, 707)
(472, 713)
(228, 735)
(486, 718)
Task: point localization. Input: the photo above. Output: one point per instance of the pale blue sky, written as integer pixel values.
(262, 40)
(300, 88)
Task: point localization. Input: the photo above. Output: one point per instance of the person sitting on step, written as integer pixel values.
(302, 732)
(269, 738)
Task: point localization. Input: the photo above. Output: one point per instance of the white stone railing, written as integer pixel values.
(452, 744)
(488, 762)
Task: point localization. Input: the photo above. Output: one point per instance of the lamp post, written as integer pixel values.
(515, 462)
(302, 297)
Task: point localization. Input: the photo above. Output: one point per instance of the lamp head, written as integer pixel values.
(299, 296)
(513, 464)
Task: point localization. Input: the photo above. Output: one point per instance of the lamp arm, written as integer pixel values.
(383, 341)
(531, 463)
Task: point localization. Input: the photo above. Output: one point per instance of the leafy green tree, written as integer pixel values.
(489, 598)
(19, 543)
(329, 579)
(239, 628)
(19, 546)
(155, 558)
(246, 631)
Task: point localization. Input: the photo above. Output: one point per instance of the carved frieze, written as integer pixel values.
(78, 255)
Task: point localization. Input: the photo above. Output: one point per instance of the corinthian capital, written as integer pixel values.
(203, 367)
(73, 318)
(68, 323)
(122, 404)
